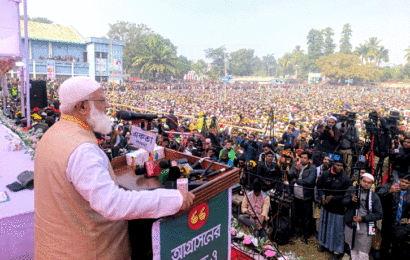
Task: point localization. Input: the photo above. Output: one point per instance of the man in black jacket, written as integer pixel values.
(303, 177)
(332, 185)
(267, 172)
(395, 199)
(363, 209)
(401, 160)
(172, 121)
(329, 136)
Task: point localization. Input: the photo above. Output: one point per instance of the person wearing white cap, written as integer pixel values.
(80, 211)
(364, 208)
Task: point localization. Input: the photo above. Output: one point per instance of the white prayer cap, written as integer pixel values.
(332, 117)
(368, 175)
(76, 88)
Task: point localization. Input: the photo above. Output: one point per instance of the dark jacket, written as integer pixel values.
(377, 210)
(390, 202)
(172, 122)
(329, 143)
(267, 173)
(308, 180)
(335, 185)
(251, 153)
(401, 162)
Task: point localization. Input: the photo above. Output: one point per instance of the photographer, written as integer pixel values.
(251, 147)
(363, 209)
(401, 160)
(329, 136)
(249, 173)
(301, 141)
(350, 137)
(266, 149)
(395, 199)
(290, 134)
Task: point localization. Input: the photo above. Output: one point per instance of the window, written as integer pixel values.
(85, 57)
(104, 55)
(97, 54)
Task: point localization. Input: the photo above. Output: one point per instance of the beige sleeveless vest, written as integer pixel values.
(66, 227)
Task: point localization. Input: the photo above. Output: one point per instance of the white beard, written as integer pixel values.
(99, 121)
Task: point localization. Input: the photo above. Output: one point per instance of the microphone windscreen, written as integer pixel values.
(174, 173)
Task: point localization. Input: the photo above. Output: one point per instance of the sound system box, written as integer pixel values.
(38, 94)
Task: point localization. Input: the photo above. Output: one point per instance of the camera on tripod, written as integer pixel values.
(392, 123)
(350, 118)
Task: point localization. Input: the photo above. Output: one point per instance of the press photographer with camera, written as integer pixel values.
(395, 197)
(400, 159)
(350, 136)
(363, 210)
(329, 136)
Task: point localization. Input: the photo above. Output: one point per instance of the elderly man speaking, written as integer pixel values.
(80, 211)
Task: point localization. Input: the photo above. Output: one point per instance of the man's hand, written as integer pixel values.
(354, 198)
(298, 167)
(394, 188)
(331, 132)
(324, 201)
(258, 226)
(329, 198)
(267, 182)
(357, 219)
(188, 199)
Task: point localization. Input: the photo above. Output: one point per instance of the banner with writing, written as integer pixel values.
(201, 234)
(100, 65)
(51, 70)
(142, 139)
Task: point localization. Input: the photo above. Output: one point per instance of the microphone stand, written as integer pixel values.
(356, 214)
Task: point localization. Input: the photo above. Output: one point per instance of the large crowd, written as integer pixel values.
(310, 142)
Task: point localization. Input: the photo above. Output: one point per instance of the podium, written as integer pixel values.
(201, 232)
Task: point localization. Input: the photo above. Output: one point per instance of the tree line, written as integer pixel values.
(151, 56)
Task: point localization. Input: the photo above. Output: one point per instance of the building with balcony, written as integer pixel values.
(60, 52)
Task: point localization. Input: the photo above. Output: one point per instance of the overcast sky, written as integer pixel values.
(265, 26)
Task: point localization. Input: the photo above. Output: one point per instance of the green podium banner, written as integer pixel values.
(202, 234)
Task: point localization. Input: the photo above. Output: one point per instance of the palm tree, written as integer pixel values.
(156, 58)
(373, 45)
(407, 56)
(285, 63)
(383, 55)
(362, 51)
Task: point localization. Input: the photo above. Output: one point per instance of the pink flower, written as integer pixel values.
(270, 253)
(34, 139)
(247, 240)
(233, 232)
(33, 146)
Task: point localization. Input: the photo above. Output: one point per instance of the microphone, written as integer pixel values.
(129, 116)
(217, 172)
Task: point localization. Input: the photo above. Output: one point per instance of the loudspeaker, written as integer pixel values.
(38, 94)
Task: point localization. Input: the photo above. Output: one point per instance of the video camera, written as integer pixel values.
(350, 117)
(286, 161)
(392, 123)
